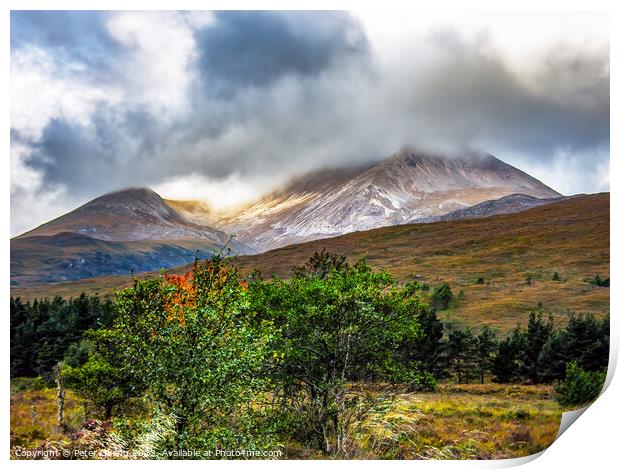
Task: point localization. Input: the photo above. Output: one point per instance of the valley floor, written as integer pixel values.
(474, 421)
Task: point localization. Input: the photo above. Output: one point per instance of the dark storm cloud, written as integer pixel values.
(114, 151)
(84, 159)
(256, 48)
(245, 49)
(467, 100)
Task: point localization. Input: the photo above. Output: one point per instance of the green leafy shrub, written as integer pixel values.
(194, 343)
(421, 382)
(580, 387)
(102, 384)
(340, 323)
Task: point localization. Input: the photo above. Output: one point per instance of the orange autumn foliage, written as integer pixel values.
(206, 281)
(183, 296)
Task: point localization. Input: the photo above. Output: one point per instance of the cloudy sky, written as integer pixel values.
(224, 106)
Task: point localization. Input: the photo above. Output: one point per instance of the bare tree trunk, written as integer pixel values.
(60, 398)
(326, 446)
(180, 426)
(107, 411)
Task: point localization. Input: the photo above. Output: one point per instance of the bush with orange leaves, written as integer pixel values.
(198, 348)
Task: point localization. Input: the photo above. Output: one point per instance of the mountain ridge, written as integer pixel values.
(399, 189)
(141, 228)
(505, 205)
(132, 230)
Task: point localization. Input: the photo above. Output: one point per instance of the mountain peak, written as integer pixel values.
(137, 192)
(131, 214)
(431, 173)
(127, 196)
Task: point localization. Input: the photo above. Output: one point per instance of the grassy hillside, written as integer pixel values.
(503, 264)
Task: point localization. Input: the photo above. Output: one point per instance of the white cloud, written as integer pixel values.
(161, 50)
(43, 89)
(601, 182)
(221, 194)
(569, 171)
(199, 19)
(156, 73)
(517, 34)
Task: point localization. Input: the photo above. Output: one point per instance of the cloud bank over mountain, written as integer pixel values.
(227, 105)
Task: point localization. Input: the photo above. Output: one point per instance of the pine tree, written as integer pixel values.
(587, 339)
(538, 332)
(580, 386)
(507, 365)
(461, 348)
(553, 358)
(46, 360)
(23, 339)
(486, 345)
(429, 348)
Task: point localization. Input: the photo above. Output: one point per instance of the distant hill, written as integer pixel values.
(490, 259)
(130, 215)
(130, 230)
(504, 205)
